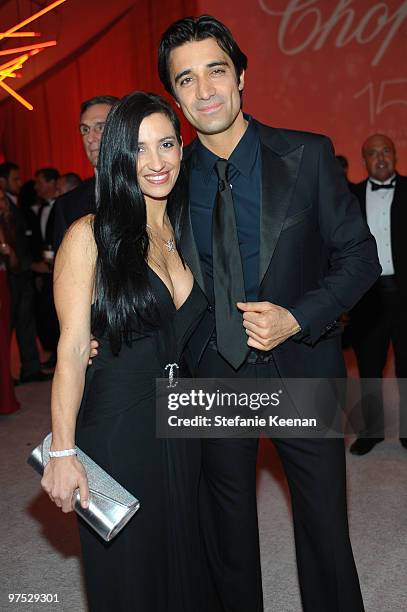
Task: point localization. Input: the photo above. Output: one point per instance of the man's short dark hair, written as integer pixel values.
(72, 179)
(110, 100)
(6, 167)
(196, 29)
(50, 174)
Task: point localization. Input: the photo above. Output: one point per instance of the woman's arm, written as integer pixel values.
(73, 288)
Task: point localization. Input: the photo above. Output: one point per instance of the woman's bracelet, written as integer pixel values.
(63, 453)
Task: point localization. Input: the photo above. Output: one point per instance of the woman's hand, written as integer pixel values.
(62, 476)
(93, 349)
(5, 249)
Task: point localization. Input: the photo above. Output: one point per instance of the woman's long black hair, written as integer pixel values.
(123, 296)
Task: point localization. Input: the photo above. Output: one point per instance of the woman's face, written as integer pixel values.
(158, 158)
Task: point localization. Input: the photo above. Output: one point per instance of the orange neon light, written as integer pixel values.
(19, 60)
(13, 62)
(10, 67)
(8, 74)
(21, 34)
(32, 18)
(50, 43)
(15, 95)
(8, 70)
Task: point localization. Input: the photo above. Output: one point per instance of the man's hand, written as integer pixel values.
(93, 349)
(267, 324)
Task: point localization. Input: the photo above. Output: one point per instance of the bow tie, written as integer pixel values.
(376, 186)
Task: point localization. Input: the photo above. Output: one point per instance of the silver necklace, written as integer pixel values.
(170, 243)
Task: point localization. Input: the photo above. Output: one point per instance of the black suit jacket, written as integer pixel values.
(317, 254)
(71, 206)
(33, 233)
(398, 225)
(50, 226)
(22, 245)
(38, 242)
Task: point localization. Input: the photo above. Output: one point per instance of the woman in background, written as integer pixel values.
(119, 275)
(8, 261)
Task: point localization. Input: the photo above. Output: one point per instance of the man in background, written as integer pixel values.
(21, 281)
(67, 182)
(82, 201)
(379, 317)
(46, 186)
(47, 322)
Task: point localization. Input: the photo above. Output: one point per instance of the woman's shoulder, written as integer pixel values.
(79, 238)
(82, 226)
(81, 230)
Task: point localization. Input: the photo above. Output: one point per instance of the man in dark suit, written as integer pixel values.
(81, 201)
(46, 187)
(47, 321)
(68, 182)
(379, 317)
(21, 281)
(278, 244)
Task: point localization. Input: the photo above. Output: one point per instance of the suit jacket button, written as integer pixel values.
(210, 308)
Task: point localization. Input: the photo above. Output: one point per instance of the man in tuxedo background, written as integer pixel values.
(46, 187)
(21, 281)
(278, 244)
(81, 201)
(68, 182)
(379, 317)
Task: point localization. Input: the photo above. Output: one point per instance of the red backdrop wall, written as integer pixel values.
(121, 60)
(331, 66)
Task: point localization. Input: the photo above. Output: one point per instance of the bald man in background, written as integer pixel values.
(379, 318)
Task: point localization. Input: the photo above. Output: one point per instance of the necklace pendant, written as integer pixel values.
(170, 245)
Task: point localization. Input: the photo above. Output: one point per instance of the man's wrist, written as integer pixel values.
(302, 330)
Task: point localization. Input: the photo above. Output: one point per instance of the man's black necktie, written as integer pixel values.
(228, 284)
(376, 186)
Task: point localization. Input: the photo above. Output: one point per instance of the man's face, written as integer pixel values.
(13, 185)
(204, 81)
(91, 128)
(47, 190)
(379, 155)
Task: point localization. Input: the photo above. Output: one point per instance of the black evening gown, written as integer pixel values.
(155, 563)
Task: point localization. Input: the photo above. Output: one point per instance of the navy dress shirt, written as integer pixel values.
(244, 174)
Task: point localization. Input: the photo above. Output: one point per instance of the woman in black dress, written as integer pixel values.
(119, 275)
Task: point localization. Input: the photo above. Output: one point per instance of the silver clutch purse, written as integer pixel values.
(110, 507)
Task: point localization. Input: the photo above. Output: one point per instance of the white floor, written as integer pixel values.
(39, 548)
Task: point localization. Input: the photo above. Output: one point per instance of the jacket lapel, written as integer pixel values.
(188, 245)
(49, 229)
(280, 169)
(397, 222)
(362, 198)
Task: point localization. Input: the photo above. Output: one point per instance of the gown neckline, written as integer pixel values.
(169, 292)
